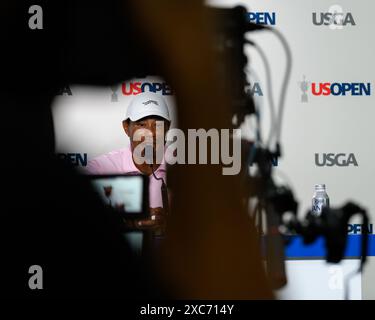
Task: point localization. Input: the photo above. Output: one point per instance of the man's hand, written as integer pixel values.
(156, 220)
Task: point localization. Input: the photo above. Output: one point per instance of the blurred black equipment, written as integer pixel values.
(229, 43)
(277, 201)
(273, 201)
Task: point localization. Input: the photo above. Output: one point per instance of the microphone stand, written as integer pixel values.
(268, 203)
(164, 190)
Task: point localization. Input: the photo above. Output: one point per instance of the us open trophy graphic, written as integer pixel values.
(114, 96)
(304, 86)
(336, 21)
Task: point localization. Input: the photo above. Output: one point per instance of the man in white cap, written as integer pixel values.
(146, 114)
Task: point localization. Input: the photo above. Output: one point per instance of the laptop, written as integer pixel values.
(126, 193)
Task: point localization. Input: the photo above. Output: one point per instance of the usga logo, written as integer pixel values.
(254, 89)
(268, 18)
(335, 18)
(332, 159)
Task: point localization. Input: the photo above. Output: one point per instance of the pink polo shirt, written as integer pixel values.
(121, 161)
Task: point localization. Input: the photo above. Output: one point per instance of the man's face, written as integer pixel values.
(146, 126)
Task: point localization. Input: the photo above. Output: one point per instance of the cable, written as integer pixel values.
(258, 134)
(285, 81)
(277, 123)
(269, 87)
(258, 105)
(164, 191)
(153, 173)
(347, 279)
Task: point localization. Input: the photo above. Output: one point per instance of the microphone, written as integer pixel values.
(149, 158)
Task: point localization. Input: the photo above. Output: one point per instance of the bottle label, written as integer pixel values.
(318, 204)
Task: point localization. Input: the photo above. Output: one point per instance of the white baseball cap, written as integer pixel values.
(147, 104)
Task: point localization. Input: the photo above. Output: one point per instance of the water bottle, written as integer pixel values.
(320, 199)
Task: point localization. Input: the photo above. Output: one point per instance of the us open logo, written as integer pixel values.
(75, 159)
(324, 89)
(265, 18)
(134, 88)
